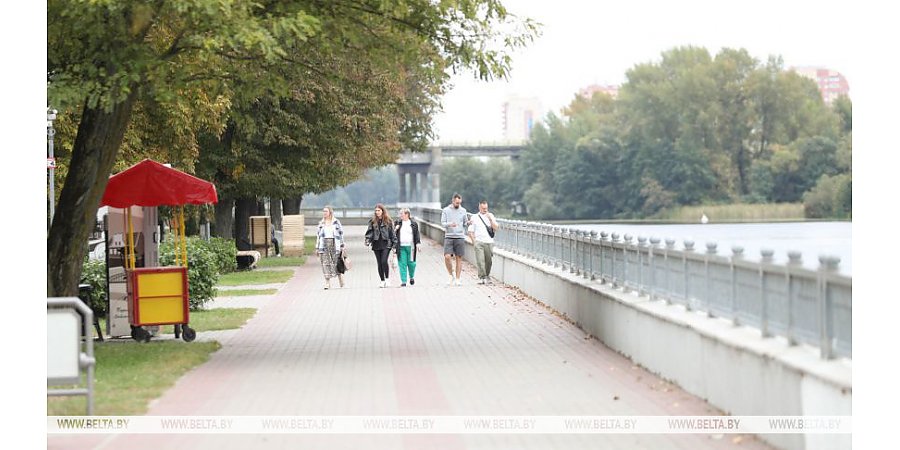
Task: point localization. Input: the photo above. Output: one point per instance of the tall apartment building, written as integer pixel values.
(831, 83)
(610, 89)
(520, 114)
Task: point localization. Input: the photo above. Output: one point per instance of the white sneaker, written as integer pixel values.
(452, 281)
(481, 281)
(382, 284)
(327, 284)
(458, 282)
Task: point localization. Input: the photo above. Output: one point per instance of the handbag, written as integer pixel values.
(341, 267)
(393, 259)
(489, 229)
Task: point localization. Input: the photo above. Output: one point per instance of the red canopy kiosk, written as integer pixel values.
(157, 295)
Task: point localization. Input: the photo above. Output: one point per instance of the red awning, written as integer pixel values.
(149, 183)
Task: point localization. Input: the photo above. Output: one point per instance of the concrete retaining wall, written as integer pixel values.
(731, 367)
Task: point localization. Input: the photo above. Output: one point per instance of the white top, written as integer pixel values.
(480, 228)
(406, 235)
(328, 230)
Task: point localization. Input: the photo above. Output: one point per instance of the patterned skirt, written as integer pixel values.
(329, 259)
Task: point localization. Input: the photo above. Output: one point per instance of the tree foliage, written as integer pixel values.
(689, 129)
(477, 180)
(270, 97)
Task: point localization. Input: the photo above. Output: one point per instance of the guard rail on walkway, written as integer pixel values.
(805, 306)
(70, 348)
(347, 216)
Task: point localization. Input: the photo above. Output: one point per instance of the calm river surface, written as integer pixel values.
(812, 239)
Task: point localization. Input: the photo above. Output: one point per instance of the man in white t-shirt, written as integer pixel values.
(481, 230)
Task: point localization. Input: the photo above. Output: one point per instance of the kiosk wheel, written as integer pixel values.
(139, 334)
(188, 333)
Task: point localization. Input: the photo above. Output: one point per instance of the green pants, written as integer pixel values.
(405, 261)
(484, 253)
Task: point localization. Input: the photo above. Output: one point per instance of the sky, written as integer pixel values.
(588, 42)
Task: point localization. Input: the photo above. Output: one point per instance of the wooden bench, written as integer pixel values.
(292, 232)
(261, 235)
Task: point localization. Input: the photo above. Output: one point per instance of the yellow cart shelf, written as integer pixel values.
(158, 296)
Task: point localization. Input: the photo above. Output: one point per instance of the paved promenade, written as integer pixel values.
(428, 349)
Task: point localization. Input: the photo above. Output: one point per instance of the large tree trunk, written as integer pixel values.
(743, 185)
(243, 209)
(260, 208)
(275, 209)
(94, 152)
(224, 219)
(292, 205)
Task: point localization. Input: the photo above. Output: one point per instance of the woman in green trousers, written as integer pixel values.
(407, 232)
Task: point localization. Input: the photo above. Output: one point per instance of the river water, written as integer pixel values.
(811, 239)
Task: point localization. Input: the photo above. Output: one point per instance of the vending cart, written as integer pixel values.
(157, 295)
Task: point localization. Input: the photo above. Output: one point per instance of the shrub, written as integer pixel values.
(225, 253)
(830, 198)
(203, 273)
(93, 272)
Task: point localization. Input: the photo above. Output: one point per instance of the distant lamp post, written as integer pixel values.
(51, 161)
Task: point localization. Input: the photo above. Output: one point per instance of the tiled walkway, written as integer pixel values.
(428, 349)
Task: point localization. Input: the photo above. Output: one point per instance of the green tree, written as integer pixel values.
(843, 107)
(732, 116)
(477, 180)
(103, 57)
(830, 198)
(685, 130)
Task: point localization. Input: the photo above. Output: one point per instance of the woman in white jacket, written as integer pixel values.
(330, 245)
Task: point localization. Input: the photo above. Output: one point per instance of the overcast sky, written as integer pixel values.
(587, 42)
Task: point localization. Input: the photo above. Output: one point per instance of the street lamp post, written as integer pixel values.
(51, 161)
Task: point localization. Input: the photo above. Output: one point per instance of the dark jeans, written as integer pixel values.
(382, 257)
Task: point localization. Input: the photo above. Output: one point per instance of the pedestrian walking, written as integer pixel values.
(407, 232)
(481, 231)
(380, 236)
(454, 219)
(330, 245)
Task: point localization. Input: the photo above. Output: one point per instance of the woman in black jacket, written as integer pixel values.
(380, 235)
(407, 232)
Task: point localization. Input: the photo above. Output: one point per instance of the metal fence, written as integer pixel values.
(340, 213)
(805, 306)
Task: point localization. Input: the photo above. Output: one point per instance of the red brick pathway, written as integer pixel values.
(428, 349)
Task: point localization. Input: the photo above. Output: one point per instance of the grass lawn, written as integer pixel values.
(309, 248)
(737, 212)
(245, 292)
(209, 320)
(290, 261)
(130, 374)
(255, 277)
(220, 318)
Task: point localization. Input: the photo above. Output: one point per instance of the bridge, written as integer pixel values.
(575, 326)
(419, 173)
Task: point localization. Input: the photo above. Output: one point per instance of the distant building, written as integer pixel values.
(831, 83)
(609, 89)
(520, 114)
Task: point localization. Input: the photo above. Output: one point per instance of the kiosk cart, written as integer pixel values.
(157, 295)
